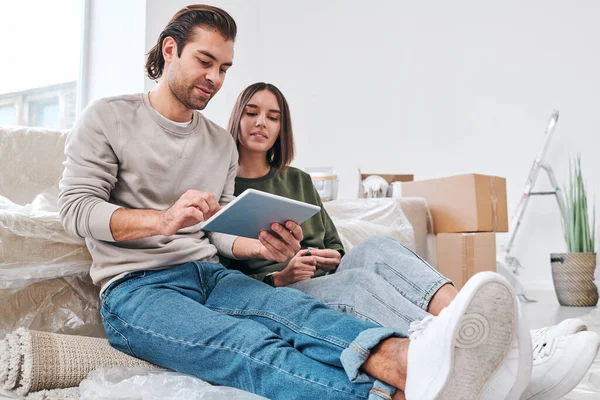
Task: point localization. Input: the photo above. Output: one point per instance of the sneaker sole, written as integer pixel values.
(482, 340)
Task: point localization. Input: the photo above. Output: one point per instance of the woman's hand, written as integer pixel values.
(283, 244)
(327, 259)
(300, 268)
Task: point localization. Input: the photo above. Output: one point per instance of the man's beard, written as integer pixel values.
(185, 94)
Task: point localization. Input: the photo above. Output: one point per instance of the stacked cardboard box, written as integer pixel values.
(466, 210)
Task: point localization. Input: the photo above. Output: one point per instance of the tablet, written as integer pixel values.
(254, 211)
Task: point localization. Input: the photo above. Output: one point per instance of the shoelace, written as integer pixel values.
(417, 327)
(541, 344)
(538, 333)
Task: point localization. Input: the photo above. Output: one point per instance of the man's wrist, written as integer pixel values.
(127, 224)
(155, 222)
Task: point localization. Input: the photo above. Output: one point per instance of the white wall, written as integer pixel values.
(115, 49)
(405, 87)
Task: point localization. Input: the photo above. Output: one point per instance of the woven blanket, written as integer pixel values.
(55, 394)
(32, 361)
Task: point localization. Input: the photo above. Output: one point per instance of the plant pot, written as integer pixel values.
(573, 276)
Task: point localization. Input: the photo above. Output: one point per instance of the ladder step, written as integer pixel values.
(543, 193)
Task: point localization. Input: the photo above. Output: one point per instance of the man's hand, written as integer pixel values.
(327, 259)
(300, 268)
(192, 207)
(283, 245)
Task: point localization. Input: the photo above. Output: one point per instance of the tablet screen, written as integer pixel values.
(254, 211)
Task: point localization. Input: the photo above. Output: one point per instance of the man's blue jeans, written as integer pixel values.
(202, 319)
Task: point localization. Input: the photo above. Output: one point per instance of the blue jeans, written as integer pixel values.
(381, 281)
(202, 319)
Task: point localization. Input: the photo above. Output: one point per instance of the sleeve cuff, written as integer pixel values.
(99, 221)
(223, 243)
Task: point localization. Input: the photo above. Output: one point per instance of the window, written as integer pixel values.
(44, 113)
(7, 115)
(39, 81)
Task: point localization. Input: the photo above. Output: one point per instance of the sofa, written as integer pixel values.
(44, 282)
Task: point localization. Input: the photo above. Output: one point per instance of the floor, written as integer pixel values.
(546, 311)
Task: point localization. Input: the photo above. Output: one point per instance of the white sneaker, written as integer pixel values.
(566, 327)
(456, 355)
(560, 363)
(519, 362)
(518, 365)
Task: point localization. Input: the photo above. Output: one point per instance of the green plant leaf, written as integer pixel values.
(579, 226)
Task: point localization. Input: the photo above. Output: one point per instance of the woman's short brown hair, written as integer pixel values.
(181, 28)
(282, 153)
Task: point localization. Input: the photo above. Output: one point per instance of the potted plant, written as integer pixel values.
(573, 272)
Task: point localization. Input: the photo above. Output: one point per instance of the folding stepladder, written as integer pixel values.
(507, 264)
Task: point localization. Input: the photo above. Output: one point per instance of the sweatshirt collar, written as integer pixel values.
(168, 124)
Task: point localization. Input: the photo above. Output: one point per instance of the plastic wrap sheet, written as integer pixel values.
(417, 212)
(67, 305)
(358, 219)
(34, 246)
(145, 384)
(44, 282)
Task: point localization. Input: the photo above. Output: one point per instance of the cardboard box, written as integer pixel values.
(462, 255)
(463, 203)
(389, 178)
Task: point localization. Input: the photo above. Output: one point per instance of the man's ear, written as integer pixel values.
(169, 49)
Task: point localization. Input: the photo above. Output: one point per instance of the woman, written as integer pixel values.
(379, 280)
(261, 126)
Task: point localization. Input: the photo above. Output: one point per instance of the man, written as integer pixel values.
(144, 170)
